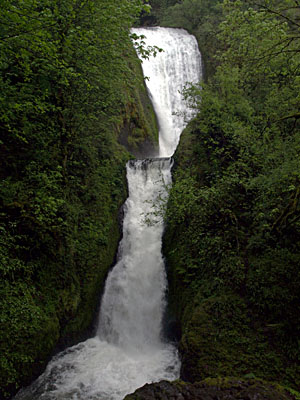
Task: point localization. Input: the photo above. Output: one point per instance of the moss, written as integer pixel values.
(133, 396)
(248, 387)
(219, 337)
(33, 333)
(79, 325)
(138, 126)
(227, 388)
(294, 393)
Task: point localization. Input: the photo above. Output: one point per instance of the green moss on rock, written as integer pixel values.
(138, 126)
(211, 389)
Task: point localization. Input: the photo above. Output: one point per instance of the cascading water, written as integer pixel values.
(128, 349)
(170, 72)
(133, 302)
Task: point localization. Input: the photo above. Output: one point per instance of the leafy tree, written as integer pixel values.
(238, 224)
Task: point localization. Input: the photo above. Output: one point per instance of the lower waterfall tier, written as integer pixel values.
(129, 349)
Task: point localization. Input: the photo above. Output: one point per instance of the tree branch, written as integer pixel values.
(278, 14)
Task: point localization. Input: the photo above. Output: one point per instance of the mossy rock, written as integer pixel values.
(138, 127)
(219, 340)
(211, 389)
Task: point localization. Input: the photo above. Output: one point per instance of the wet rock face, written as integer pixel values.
(211, 389)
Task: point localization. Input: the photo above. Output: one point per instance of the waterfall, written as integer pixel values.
(133, 302)
(170, 72)
(129, 349)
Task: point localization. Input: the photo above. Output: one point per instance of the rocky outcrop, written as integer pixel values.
(212, 389)
(138, 128)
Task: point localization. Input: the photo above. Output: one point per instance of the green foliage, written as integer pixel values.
(159, 7)
(189, 14)
(27, 332)
(199, 17)
(235, 214)
(67, 87)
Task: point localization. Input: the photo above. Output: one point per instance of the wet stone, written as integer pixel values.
(211, 389)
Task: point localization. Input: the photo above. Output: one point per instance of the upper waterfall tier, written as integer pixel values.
(169, 72)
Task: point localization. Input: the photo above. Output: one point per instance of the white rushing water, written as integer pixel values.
(170, 72)
(129, 349)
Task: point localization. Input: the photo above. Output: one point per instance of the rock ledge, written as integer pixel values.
(212, 389)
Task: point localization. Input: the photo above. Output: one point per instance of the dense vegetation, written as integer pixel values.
(233, 235)
(70, 92)
(70, 86)
(199, 17)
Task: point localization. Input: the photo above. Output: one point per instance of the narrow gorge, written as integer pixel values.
(149, 228)
(129, 348)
